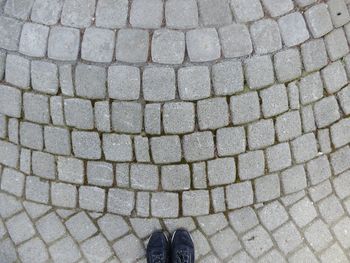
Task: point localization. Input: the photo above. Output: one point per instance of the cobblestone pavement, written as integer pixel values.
(228, 118)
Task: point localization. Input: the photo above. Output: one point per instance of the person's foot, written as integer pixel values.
(158, 248)
(182, 248)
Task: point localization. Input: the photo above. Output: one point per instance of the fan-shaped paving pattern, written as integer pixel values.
(230, 118)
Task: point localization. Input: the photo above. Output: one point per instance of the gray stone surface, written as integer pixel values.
(267, 188)
(326, 111)
(63, 43)
(227, 78)
(251, 165)
(334, 76)
(245, 108)
(127, 117)
(278, 157)
(266, 36)
(246, 11)
(261, 134)
(70, 170)
(230, 141)
(117, 147)
(293, 179)
(178, 117)
(57, 140)
(17, 71)
(181, 14)
(235, 40)
(46, 12)
(34, 40)
(336, 44)
(44, 77)
(10, 29)
(278, 8)
(288, 65)
(195, 202)
(175, 177)
(86, 145)
(314, 54)
(144, 176)
(90, 81)
(304, 147)
(10, 101)
(203, 44)
(146, 14)
(239, 195)
(78, 13)
(158, 84)
(198, 146)
(78, 113)
(293, 29)
(319, 20)
(212, 113)
(221, 171)
(111, 14)
(259, 71)
(166, 149)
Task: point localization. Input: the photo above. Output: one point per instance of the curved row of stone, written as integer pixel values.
(309, 225)
(135, 187)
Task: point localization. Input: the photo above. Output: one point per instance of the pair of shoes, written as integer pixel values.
(181, 248)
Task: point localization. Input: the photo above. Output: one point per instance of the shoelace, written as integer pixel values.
(157, 258)
(182, 256)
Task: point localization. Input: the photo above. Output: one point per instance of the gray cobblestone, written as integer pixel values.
(288, 237)
(288, 126)
(152, 118)
(18, 8)
(56, 110)
(10, 29)
(331, 209)
(246, 11)
(37, 190)
(31, 135)
(129, 248)
(63, 195)
(212, 113)
(326, 111)
(112, 226)
(90, 81)
(158, 84)
(166, 149)
(46, 12)
(308, 119)
(333, 252)
(339, 134)
(245, 108)
(146, 14)
(63, 43)
(181, 14)
(251, 165)
(20, 228)
(142, 149)
(221, 171)
(278, 8)
(178, 117)
(117, 147)
(266, 36)
(144, 176)
(10, 101)
(235, 40)
(230, 141)
(165, 204)
(218, 199)
(267, 188)
(98, 45)
(274, 100)
(124, 82)
(50, 227)
(34, 40)
(96, 249)
(336, 44)
(339, 12)
(212, 224)
(122, 171)
(344, 99)
(36, 108)
(13, 133)
(86, 145)
(12, 181)
(239, 195)
(314, 55)
(304, 253)
(176, 177)
(324, 140)
(70, 170)
(120, 201)
(288, 65)
(132, 45)
(339, 160)
(293, 29)
(33, 250)
(319, 20)
(273, 215)
(173, 224)
(78, 13)
(197, 50)
(194, 83)
(79, 113)
(99, 173)
(111, 14)
(80, 233)
(278, 157)
(227, 78)
(17, 71)
(261, 134)
(44, 77)
(198, 146)
(304, 147)
(225, 243)
(195, 203)
(214, 13)
(293, 179)
(65, 249)
(25, 161)
(92, 198)
(43, 165)
(199, 175)
(256, 77)
(66, 80)
(102, 116)
(257, 241)
(318, 235)
(53, 135)
(168, 46)
(303, 212)
(334, 76)
(127, 117)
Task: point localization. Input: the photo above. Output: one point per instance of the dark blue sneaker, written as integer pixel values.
(158, 248)
(182, 248)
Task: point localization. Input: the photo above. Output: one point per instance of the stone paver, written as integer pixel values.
(225, 117)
